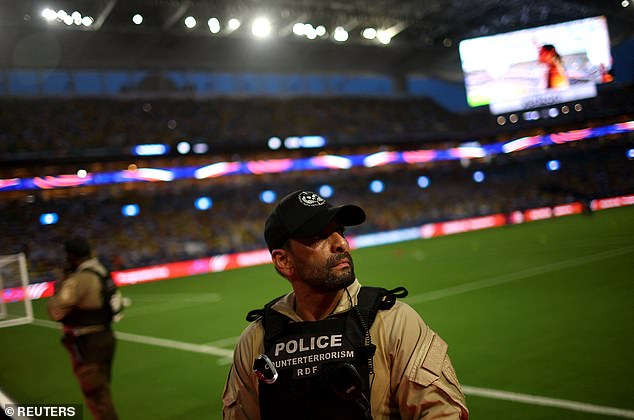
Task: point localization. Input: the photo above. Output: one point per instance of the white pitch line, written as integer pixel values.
(231, 341)
(225, 354)
(507, 278)
(548, 402)
(155, 341)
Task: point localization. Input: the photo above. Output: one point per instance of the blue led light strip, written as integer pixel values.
(220, 169)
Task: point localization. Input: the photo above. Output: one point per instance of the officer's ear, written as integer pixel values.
(283, 261)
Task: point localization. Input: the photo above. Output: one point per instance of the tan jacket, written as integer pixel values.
(414, 378)
(82, 289)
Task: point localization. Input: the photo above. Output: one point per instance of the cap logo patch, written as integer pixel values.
(310, 199)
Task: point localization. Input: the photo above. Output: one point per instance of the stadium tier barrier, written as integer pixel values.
(225, 262)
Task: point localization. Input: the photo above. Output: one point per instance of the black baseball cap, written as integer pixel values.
(77, 246)
(305, 213)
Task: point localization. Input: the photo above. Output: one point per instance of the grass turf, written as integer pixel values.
(543, 308)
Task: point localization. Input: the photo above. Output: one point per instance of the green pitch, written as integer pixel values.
(543, 309)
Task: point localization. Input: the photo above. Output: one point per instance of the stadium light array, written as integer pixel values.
(75, 18)
(308, 30)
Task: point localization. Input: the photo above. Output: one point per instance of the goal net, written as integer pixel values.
(15, 303)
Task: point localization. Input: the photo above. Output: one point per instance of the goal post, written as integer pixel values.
(15, 302)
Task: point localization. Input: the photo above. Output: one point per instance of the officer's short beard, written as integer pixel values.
(325, 279)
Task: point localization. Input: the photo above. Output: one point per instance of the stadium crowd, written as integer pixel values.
(76, 127)
(66, 128)
(169, 228)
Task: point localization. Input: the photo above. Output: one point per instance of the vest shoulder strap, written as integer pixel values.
(370, 301)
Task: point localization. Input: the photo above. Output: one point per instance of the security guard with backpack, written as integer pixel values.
(332, 349)
(86, 302)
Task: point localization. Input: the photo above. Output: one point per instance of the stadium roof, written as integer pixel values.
(423, 35)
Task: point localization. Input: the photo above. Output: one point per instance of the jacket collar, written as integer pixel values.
(286, 305)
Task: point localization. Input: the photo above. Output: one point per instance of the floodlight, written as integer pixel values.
(274, 143)
(423, 181)
(376, 186)
(49, 14)
(190, 22)
(478, 176)
(268, 196)
(234, 24)
(183, 147)
(326, 191)
(130, 210)
(340, 35)
(137, 19)
(201, 148)
(48, 218)
(76, 18)
(369, 33)
(553, 165)
(203, 203)
(383, 37)
(261, 27)
(214, 25)
(298, 29)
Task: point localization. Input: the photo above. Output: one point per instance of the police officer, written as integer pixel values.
(331, 348)
(79, 304)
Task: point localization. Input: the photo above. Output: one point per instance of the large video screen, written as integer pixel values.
(537, 67)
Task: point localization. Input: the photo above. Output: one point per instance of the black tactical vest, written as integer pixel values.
(99, 316)
(317, 361)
